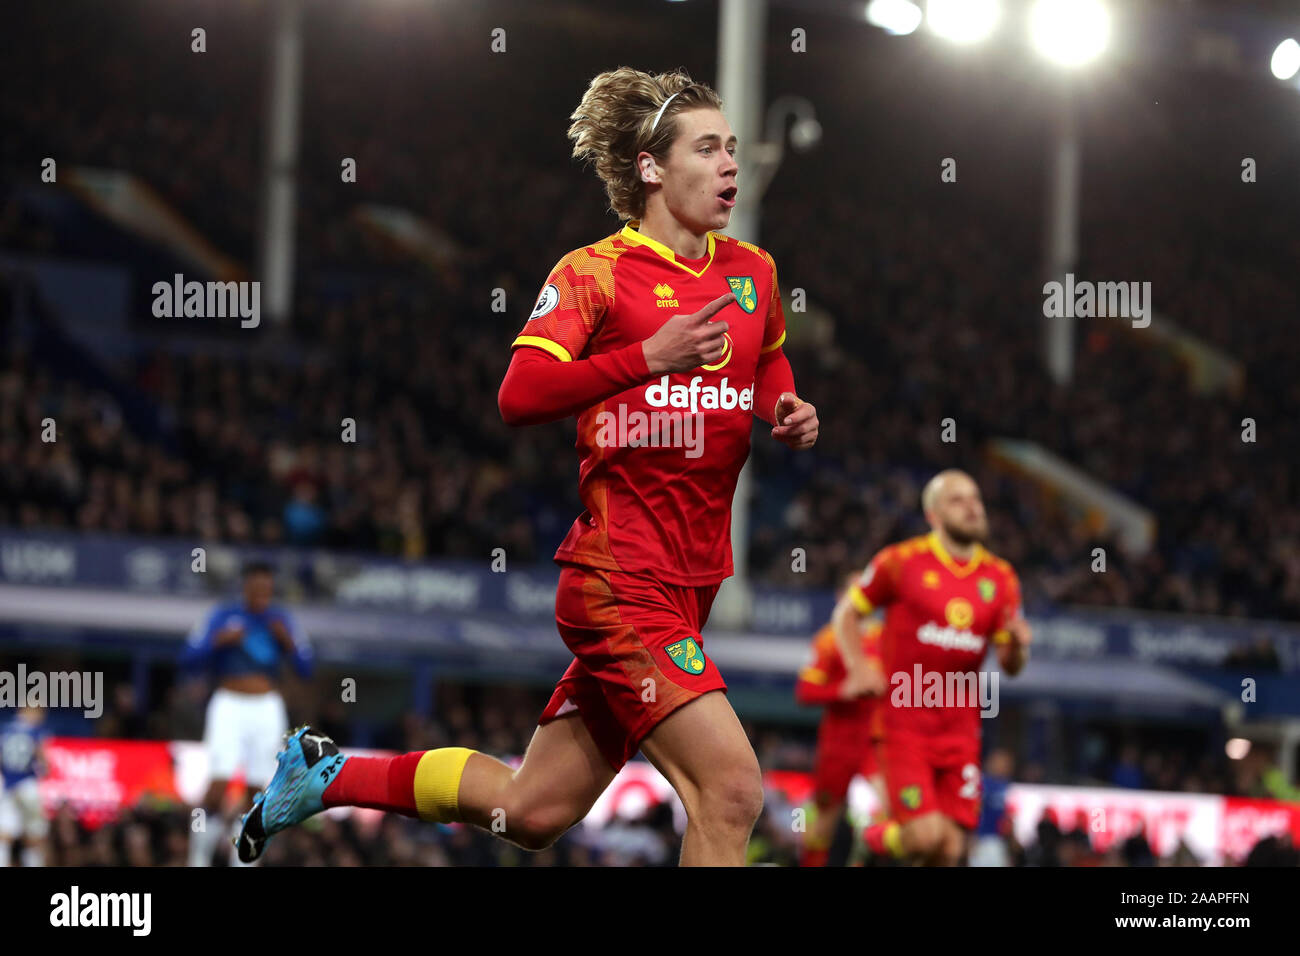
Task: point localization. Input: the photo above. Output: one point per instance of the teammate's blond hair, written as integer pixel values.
(616, 120)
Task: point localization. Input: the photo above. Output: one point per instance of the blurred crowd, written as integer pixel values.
(499, 720)
(918, 317)
(924, 306)
(154, 833)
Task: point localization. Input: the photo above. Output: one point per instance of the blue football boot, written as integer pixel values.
(307, 764)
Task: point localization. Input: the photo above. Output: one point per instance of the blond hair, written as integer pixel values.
(616, 121)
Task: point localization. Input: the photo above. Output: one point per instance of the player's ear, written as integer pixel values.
(646, 166)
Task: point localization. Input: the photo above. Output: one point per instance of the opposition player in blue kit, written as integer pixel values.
(243, 645)
(22, 763)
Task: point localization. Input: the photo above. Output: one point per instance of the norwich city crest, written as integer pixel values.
(910, 797)
(687, 655)
(987, 589)
(746, 296)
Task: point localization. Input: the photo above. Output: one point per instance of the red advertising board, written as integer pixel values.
(100, 777)
(1246, 822)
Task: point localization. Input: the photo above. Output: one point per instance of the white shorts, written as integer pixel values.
(244, 732)
(990, 851)
(21, 814)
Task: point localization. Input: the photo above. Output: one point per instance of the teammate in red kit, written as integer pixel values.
(847, 734)
(664, 338)
(945, 597)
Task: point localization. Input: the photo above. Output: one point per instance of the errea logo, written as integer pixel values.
(664, 296)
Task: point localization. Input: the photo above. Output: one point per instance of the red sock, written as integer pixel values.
(381, 783)
(882, 838)
(812, 857)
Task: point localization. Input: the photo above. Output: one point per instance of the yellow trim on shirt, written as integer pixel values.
(631, 235)
(860, 600)
(775, 345)
(546, 345)
(947, 560)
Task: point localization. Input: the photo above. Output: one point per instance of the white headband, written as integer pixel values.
(661, 111)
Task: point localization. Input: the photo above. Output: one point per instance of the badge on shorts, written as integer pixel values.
(910, 797)
(687, 655)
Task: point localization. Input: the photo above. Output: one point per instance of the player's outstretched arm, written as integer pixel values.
(540, 388)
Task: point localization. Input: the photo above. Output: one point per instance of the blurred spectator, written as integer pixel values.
(1127, 772)
(122, 718)
(1136, 849)
(1274, 851)
(1258, 657)
(989, 848)
(1047, 850)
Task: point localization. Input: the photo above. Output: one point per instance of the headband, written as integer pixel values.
(661, 111)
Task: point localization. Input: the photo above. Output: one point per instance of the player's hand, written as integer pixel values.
(232, 633)
(796, 422)
(1013, 655)
(686, 342)
(862, 682)
(280, 633)
(1021, 633)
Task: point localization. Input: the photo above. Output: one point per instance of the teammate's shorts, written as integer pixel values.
(21, 814)
(842, 751)
(244, 732)
(924, 774)
(638, 654)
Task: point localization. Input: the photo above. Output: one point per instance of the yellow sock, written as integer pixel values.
(893, 839)
(812, 841)
(437, 783)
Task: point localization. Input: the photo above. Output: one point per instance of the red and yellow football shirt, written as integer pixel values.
(939, 617)
(658, 463)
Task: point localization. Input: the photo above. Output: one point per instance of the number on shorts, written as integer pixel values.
(971, 788)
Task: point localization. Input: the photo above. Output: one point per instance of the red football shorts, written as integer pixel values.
(924, 774)
(844, 747)
(638, 654)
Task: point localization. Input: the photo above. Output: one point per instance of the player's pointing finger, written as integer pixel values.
(716, 306)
